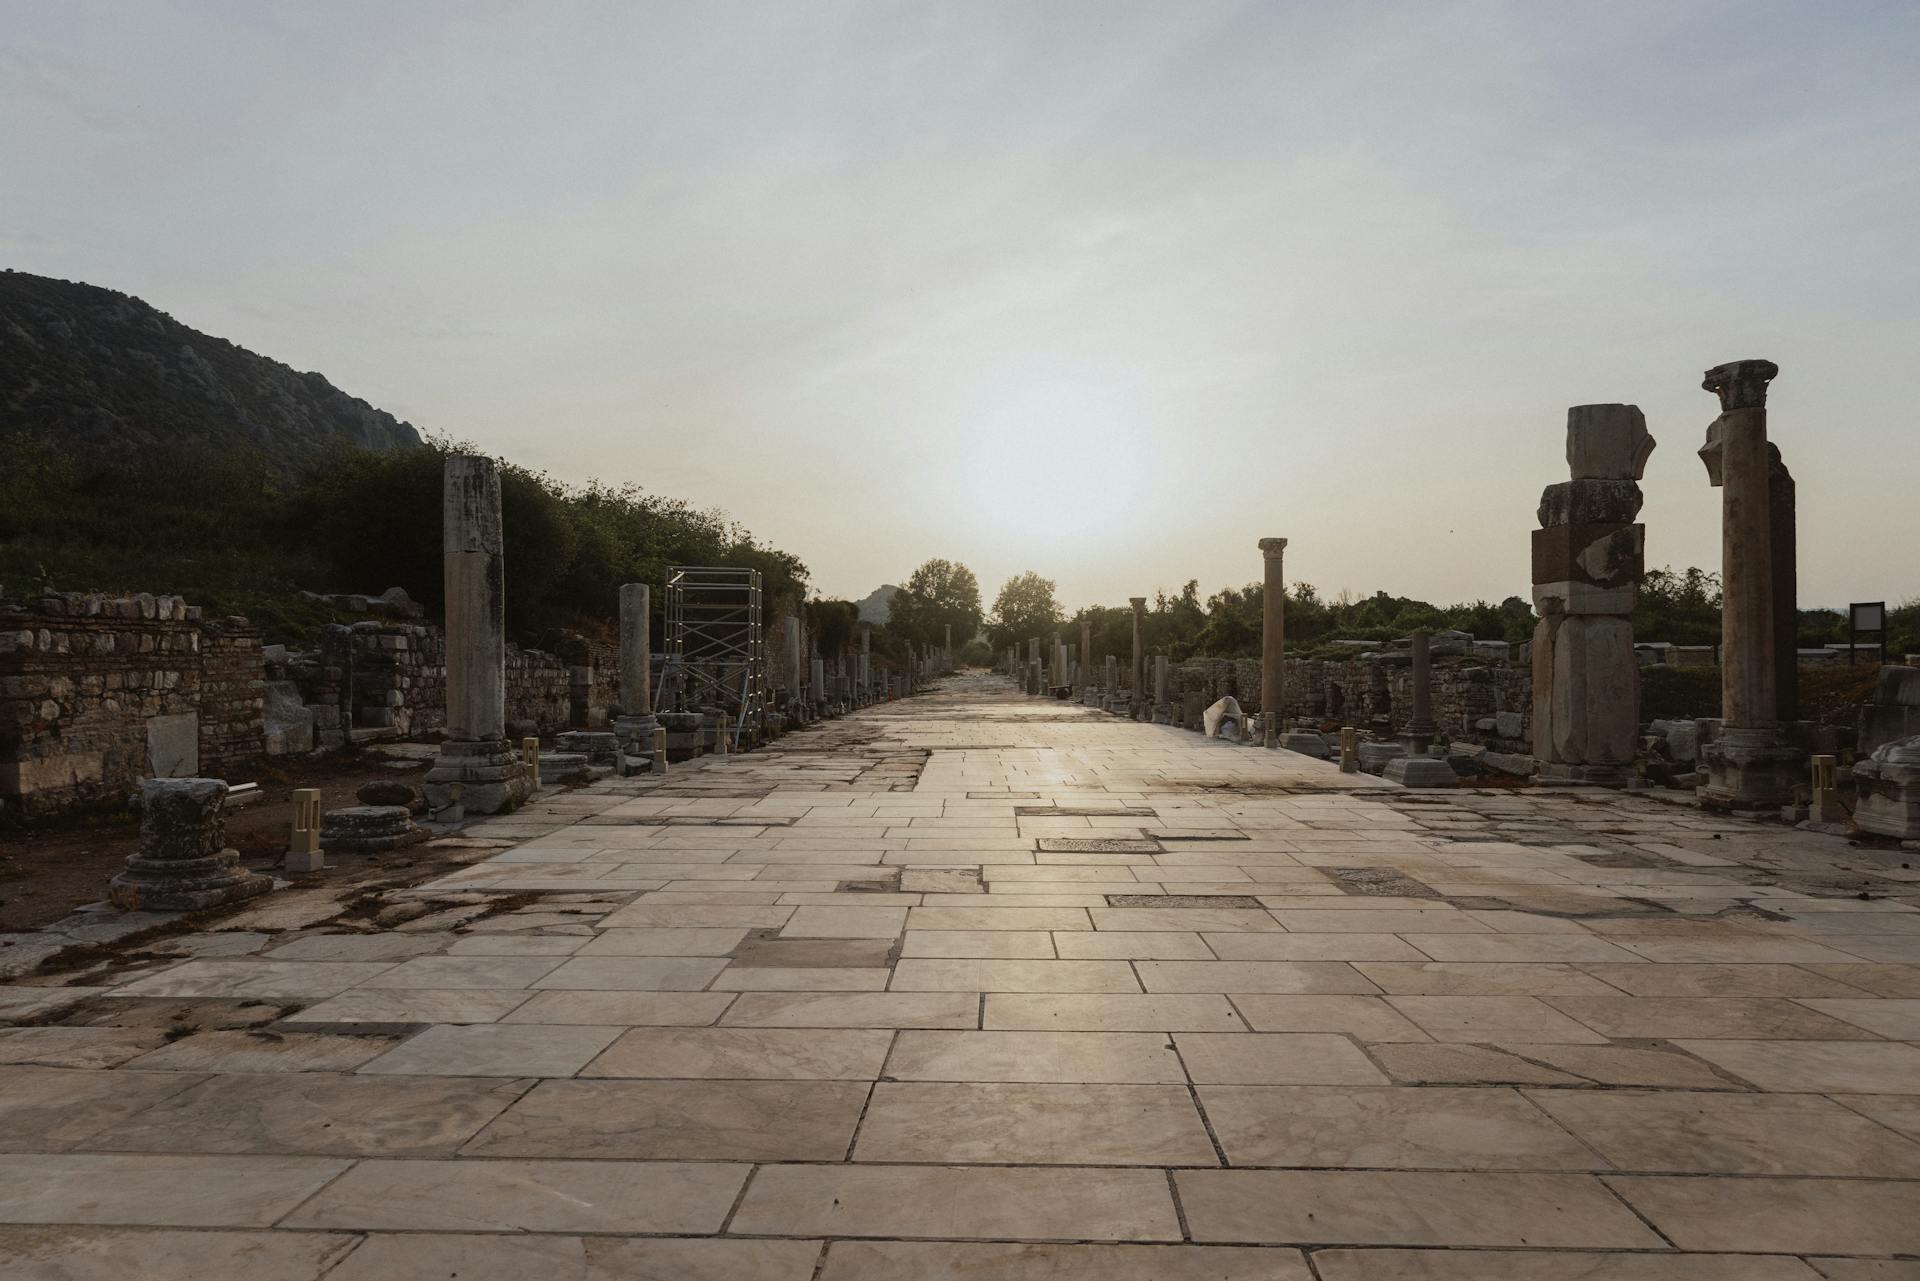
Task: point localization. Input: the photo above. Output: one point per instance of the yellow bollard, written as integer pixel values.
(660, 749)
(530, 753)
(303, 849)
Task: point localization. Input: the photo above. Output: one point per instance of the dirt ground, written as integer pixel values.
(46, 874)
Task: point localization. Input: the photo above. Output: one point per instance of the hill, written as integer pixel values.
(877, 608)
(88, 368)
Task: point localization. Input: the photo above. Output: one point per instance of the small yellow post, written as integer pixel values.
(660, 749)
(530, 753)
(303, 848)
(1349, 750)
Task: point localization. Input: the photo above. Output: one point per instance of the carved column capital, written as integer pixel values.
(1741, 384)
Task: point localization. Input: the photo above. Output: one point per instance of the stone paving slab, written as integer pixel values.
(974, 985)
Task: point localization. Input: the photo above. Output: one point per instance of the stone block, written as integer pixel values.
(286, 722)
(173, 745)
(1589, 502)
(367, 829)
(1604, 555)
(1375, 757)
(1888, 790)
(1586, 691)
(1420, 771)
(1607, 442)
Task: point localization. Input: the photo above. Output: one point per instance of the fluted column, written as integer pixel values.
(1273, 633)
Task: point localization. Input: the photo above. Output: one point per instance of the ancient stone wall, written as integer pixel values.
(1374, 693)
(97, 693)
(537, 689)
(232, 695)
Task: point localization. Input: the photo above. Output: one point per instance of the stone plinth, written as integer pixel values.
(367, 829)
(1887, 789)
(600, 747)
(1375, 757)
(683, 735)
(1420, 771)
(1307, 745)
(181, 866)
(491, 775)
(565, 767)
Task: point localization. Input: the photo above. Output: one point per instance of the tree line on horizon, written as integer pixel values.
(1681, 607)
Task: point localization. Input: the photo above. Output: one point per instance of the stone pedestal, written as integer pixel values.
(601, 748)
(1750, 769)
(1307, 745)
(181, 866)
(475, 754)
(367, 829)
(491, 775)
(1888, 790)
(682, 735)
(1420, 771)
(1375, 757)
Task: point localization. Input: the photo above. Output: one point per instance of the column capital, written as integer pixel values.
(1272, 547)
(1741, 384)
(1138, 602)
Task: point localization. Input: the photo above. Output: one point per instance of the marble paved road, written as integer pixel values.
(978, 985)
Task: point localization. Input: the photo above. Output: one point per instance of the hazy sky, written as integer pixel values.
(1106, 290)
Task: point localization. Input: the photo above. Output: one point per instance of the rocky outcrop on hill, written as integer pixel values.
(91, 368)
(877, 608)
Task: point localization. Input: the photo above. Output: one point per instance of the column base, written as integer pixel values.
(1750, 769)
(492, 777)
(1421, 771)
(1563, 774)
(1306, 744)
(185, 885)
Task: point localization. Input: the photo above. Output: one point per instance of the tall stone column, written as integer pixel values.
(636, 722)
(1162, 709)
(1417, 769)
(946, 650)
(1086, 653)
(1273, 635)
(1587, 560)
(476, 754)
(791, 637)
(1786, 587)
(1139, 693)
(1749, 765)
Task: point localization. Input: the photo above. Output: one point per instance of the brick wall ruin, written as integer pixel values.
(99, 692)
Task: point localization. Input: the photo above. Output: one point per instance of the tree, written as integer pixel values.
(1680, 608)
(938, 595)
(1025, 608)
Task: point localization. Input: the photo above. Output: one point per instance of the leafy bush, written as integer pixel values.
(208, 524)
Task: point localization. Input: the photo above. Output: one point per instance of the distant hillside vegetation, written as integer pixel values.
(89, 368)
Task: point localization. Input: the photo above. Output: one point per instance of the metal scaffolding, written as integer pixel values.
(716, 646)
